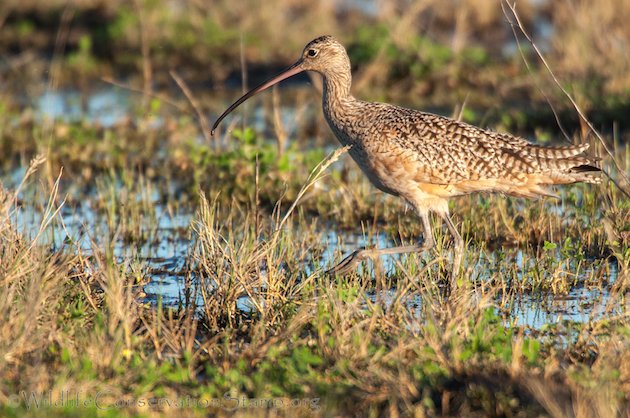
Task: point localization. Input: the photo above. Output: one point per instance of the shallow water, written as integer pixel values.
(166, 254)
(106, 106)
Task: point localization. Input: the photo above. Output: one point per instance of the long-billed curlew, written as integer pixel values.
(426, 158)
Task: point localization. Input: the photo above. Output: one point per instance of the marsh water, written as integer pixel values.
(165, 253)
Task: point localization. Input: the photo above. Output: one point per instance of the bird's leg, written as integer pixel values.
(458, 251)
(359, 255)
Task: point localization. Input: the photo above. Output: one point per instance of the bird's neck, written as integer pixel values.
(336, 91)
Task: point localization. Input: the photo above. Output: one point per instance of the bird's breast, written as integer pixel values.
(389, 171)
(381, 169)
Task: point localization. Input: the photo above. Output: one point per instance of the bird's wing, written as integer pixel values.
(446, 151)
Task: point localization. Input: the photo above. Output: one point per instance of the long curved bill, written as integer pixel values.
(289, 72)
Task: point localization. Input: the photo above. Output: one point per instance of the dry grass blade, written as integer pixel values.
(203, 121)
(32, 168)
(316, 174)
(161, 97)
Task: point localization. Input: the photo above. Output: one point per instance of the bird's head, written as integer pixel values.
(324, 55)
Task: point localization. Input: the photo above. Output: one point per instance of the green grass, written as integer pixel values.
(272, 334)
(371, 341)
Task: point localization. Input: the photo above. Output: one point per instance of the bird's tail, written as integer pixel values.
(564, 165)
(558, 165)
(588, 173)
(556, 153)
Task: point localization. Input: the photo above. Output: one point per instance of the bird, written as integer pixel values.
(425, 158)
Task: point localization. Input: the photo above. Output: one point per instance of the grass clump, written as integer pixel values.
(256, 331)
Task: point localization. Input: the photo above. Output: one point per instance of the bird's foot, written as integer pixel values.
(350, 262)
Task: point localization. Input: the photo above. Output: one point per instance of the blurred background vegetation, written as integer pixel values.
(423, 53)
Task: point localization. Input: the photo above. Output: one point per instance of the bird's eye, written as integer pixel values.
(312, 52)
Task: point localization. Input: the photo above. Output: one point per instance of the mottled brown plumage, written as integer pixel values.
(426, 158)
